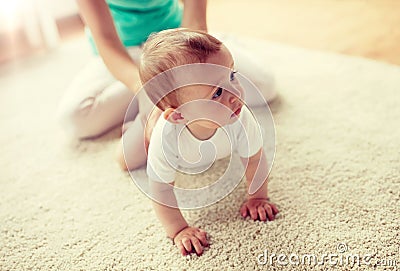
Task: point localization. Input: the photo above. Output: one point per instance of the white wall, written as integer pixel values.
(13, 13)
(36, 17)
(61, 8)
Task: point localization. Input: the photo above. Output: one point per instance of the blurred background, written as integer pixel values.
(366, 28)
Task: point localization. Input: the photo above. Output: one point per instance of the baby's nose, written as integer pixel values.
(233, 98)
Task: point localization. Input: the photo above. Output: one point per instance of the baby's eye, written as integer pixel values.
(217, 93)
(232, 76)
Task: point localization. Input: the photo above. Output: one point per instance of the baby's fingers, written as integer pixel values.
(270, 214)
(243, 210)
(262, 213)
(253, 213)
(187, 244)
(202, 236)
(181, 248)
(197, 246)
(274, 209)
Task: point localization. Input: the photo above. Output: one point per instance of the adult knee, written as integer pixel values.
(265, 81)
(76, 121)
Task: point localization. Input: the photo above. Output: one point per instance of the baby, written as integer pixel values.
(189, 76)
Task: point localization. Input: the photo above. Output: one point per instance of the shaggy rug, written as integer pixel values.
(66, 205)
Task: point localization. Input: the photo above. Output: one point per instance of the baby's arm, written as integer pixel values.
(257, 204)
(187, 239)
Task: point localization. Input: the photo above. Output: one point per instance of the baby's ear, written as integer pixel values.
(173, 116)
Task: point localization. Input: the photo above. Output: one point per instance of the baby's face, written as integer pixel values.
(214, 106)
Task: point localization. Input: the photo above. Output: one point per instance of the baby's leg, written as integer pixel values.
(250, 65)
(131, 153)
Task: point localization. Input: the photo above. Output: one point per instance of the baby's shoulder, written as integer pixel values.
(164, 136)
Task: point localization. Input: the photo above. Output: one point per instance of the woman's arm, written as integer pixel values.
(195, 14)
(97, 17)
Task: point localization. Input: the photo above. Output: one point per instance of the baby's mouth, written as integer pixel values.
(237, 112)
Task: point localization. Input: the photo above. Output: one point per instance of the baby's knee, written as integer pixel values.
(120, 159)
(128, 162)
(131, 152)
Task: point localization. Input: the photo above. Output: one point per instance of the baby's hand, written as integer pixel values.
(189, 238)
(259, 209)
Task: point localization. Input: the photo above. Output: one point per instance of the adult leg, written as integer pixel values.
(95, 102)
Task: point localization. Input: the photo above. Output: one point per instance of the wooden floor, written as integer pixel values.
(367, 28)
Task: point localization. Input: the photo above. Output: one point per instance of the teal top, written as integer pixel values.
(135, 20)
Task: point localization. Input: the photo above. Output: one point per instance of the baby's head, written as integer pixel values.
(174, 48)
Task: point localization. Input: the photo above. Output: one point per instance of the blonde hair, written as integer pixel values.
(171, 48)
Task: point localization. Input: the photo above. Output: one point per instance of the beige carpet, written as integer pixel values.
(66, 205)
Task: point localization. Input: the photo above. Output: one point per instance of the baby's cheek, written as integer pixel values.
(207, 110)
(219, 114)
(240, 90)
